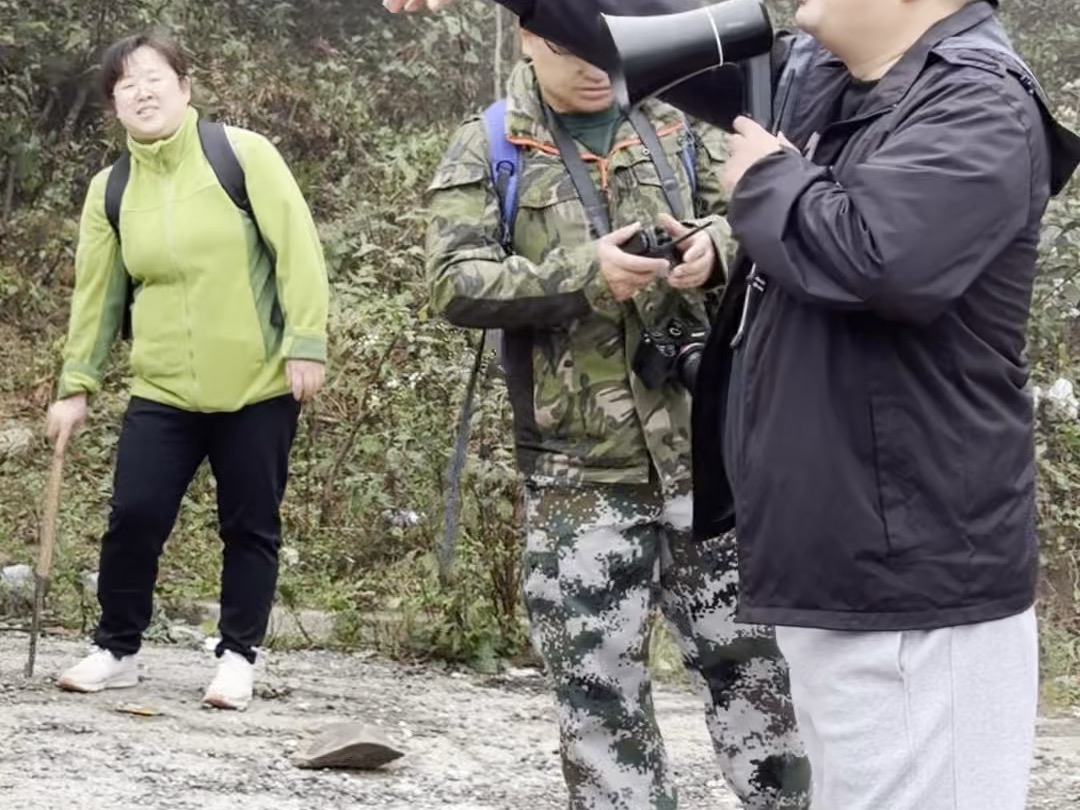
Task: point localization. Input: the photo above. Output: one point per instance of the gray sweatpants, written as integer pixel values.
(927, 720)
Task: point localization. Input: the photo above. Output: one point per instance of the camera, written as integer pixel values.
(670, 353)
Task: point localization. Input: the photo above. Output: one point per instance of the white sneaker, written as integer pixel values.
(233, 684)
(100, 670)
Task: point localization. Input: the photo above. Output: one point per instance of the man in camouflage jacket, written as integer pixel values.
(605, 458)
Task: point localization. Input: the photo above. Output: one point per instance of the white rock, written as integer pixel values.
(17, 576)
(90, 581)
(1062, 396)
(16, 441)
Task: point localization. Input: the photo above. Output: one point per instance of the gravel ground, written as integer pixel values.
(469, 742)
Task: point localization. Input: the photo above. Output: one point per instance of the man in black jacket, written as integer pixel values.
(865, 388)
(867, 396)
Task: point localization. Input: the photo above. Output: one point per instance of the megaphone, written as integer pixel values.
(656, 52)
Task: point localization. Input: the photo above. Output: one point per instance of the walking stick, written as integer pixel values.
(50, 513)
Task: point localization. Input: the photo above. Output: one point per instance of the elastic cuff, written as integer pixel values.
(77, 378)
(305, 348)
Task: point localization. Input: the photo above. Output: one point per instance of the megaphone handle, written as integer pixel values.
(758, 89)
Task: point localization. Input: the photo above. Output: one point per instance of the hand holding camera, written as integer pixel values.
(630, 259)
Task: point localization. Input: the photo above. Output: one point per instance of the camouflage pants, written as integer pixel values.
(597, 561)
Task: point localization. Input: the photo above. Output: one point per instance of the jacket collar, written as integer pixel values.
(166, 154)
(895, 84)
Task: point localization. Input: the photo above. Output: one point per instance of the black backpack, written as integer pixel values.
(227, 168)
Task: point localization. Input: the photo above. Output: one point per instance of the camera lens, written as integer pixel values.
(687, 365)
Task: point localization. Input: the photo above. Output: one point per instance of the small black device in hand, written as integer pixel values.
(653, 243)
(656, 243)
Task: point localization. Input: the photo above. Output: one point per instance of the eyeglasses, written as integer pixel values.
(130, 86)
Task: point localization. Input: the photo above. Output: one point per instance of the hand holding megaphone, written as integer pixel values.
(750, 143)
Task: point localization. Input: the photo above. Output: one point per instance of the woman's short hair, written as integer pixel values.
(115, 57)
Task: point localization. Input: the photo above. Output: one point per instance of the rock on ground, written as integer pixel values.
(470, 743)
(16, 441)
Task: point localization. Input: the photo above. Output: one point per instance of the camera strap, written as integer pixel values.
(590, 196)
(595, 207)
(651, 141)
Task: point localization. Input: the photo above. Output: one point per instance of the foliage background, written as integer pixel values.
(361, 103)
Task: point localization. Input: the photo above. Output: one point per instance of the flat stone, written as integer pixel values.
(352, 746)
(15, 577)
(16, 441)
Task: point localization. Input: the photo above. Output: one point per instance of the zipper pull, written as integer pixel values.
(755, 284)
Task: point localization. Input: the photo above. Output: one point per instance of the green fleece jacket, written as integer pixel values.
(216, 312)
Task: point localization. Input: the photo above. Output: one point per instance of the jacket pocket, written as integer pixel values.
(881, 453)
(230, 350)
(160, 351)
(640, 173)
(549, 213)
(764, 307)
(555, 389)
(919, 480)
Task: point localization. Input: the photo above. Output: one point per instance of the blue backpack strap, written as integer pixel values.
(505, 163)
(505, 166)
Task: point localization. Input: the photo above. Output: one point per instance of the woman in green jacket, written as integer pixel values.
(228, 338)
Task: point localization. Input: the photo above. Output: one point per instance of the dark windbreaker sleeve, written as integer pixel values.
(913, 226)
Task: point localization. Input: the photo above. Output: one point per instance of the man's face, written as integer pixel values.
(568, 84)
(844, 26)
(150, 99)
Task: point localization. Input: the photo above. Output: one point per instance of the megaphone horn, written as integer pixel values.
(657, 52)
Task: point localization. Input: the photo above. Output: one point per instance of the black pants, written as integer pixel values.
(159, 452)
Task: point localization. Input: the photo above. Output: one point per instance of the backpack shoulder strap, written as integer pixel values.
(223, 160)
(689, 157)
(114, 195)
(505, 163)
(114, 190)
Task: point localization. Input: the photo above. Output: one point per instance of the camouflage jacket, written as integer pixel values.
(580, 412)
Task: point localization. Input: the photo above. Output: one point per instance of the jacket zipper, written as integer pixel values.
(755, 287)
(170, 198)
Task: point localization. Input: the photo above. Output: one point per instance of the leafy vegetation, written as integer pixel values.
(361, 104)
